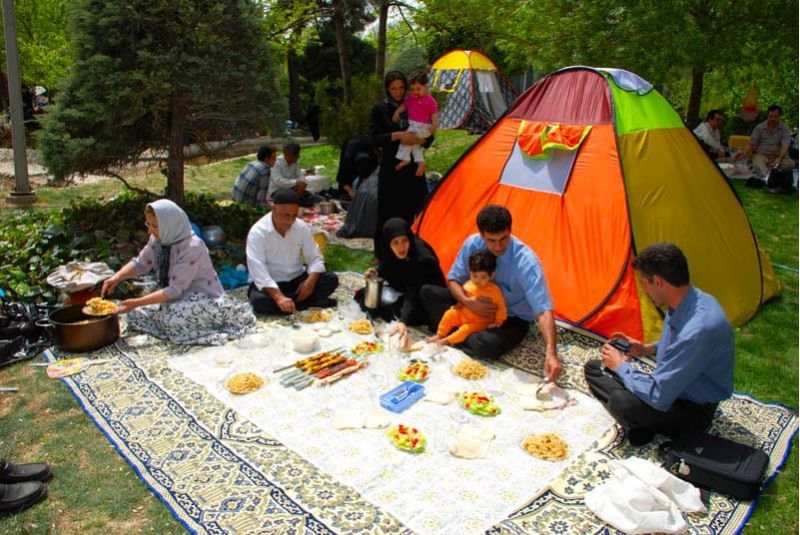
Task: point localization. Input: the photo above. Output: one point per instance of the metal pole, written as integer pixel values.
(22, 193)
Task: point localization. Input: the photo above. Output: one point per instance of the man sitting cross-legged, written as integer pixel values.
(694, 357)
(281, 284)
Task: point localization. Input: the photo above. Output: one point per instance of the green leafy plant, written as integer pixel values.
(340, 120)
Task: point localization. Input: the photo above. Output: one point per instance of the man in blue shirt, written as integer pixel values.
(694, 356)
(253, 183)
(521, 278)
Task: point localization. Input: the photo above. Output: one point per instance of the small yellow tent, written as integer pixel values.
(477, 93)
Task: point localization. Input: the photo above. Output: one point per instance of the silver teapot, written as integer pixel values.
(372, 292)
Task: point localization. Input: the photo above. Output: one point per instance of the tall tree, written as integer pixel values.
(380, 54)
(147, 73)
(341, 46)
(662, 41)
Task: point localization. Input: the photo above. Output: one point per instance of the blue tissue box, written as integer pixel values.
(402, 396)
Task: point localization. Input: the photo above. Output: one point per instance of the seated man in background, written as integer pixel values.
(286, 173)
(710, 133)
(253, 183)
(769, 144)
(281, 284)
(694, 357)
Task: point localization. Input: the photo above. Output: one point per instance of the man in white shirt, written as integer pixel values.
(281, 284)
(287, 174)
(709, 132)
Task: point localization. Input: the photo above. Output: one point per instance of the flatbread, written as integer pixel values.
(377, 419)
(348, 419)
(471, 442)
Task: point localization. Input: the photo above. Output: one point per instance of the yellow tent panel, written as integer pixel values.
(464, 59)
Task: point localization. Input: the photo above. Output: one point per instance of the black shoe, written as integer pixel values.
(8, 348)
(16, 497)
(18, 473)
(640, 437)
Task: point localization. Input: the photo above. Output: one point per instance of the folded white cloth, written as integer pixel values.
(76, 276)
(644, 498)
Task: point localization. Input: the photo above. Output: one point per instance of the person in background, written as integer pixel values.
(694, 356)
(281, 283)
(710, 133)
(190, 305)
(769, 144)
(312, 120)
(356, 148)
(253, 183)
(423, 120)
(286, 173)
(401, 193)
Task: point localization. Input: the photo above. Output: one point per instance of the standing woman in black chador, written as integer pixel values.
(400, 193)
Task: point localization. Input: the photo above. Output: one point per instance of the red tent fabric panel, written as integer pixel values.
(582, 237)
(574, 97)
(622, 312)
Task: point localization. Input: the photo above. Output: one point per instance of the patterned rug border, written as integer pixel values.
(178, 510)
(146, 477)
(133, 462)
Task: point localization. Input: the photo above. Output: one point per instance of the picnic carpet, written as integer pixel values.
(330, 224)
(218, 473)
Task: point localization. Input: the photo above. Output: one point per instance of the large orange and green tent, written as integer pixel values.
(595, 165)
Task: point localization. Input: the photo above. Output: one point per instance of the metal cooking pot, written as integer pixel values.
(77, 332)
(213, 235)
(327, 208)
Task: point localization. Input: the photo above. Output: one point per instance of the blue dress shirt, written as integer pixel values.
(694, 359)
(519, 274)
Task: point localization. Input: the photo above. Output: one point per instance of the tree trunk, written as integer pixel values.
(175, 154)
(695, 96)
(380, 57)
(295, 106)
(341, 45)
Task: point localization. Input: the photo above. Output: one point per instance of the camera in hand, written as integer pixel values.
(621, 344)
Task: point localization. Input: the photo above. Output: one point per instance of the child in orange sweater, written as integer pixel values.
(482, 265)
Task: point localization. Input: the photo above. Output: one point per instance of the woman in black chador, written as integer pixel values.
(400, 192)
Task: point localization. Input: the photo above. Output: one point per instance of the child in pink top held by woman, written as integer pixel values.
(423, 119)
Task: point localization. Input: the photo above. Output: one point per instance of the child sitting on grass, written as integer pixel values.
(423, 120)
(482, 265)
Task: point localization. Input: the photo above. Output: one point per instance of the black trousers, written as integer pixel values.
(392, 312)
(488, 344)
(264, 304)
(634, 414)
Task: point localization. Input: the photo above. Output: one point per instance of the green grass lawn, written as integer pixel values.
(95, 491)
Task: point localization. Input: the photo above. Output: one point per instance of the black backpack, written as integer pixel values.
(780, 179)
(716, 463)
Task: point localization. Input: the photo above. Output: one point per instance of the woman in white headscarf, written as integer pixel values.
(190, 305)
